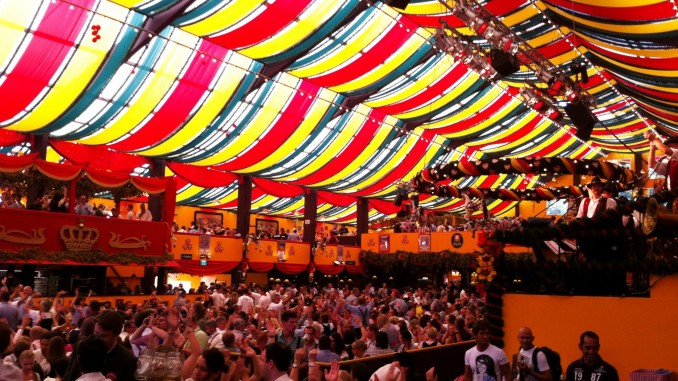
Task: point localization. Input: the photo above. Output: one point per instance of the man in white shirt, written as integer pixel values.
(595, 204)
(218, 298)
(245, 302)
(144, 214)
(525, 369)
(130, 212)
(485, 362)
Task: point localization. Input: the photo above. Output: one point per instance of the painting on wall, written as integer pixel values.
(208, 219)
(267, 226)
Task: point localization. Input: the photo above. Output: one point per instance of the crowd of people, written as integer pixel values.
(255, 332)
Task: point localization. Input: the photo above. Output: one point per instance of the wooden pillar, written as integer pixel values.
(363, 214)
(310, 214)
(155, 201)
(72, 195)
(40, 144)
(638, 164)
(244, 205)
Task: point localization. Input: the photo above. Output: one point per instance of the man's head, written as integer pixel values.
(595, 186)
(481, 332)
(589, 344)
(92, 354)
(83, 199)
(142, 207)
(525, 338)
(289, 319)
(278, 359)
(358, 348)
(108, 326)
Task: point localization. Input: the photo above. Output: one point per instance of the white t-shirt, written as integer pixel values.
(278, 307)
(526, 356)
(246, 304)
(486, 365)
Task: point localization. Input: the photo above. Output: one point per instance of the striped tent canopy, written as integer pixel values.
(348, 97)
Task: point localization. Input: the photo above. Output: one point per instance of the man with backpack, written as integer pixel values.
(533, 363)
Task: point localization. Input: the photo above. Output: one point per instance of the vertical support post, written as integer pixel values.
(363, 214)
(155, 201)
(310, 214)
(244, 205)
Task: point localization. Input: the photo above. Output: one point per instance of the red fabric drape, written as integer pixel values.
(202, 176)
(16, 163)
(291, 268)
(329, 269)
(213, 267)
(260, 267)
(336, 199)
(106, 178)
(358, 269)
(63, 172)
(385, 207)
(98, 156)
(149, 185)
(12, 138)
(278, 189)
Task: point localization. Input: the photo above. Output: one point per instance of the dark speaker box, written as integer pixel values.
(503, 62)
(400, 4)
(582, 118)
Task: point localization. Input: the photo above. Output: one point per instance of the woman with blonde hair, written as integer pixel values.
(27, 361)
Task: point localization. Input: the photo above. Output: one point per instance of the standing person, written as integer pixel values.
(119, 362)
(590, 366)
(83, 208)
(8, 311)
(664, 167)
(595, 204)
(485, 362)
(144, 214)
(525, 369)
(130, 212)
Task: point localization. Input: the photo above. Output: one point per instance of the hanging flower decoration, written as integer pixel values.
(251, 238)
(311, 271)
(491, 250)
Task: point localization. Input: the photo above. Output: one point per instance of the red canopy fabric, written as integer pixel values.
(278, 189)
(202, 176)
(336, 199)
(98, 156)
(384, 207)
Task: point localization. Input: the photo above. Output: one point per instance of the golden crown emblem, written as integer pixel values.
(78, 238)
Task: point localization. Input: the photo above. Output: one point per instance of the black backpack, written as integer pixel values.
(553, 359)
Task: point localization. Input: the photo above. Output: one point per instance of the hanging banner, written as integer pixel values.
(204, 246)
(425, 243)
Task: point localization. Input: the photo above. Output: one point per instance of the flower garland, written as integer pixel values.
(444, 259)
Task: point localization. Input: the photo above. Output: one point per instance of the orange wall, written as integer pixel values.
(634, 332)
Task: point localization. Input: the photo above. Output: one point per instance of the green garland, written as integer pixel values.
(444, 259)
(90, 257)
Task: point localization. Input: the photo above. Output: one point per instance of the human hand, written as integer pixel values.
(333, 373)
(431, 374)
(312, 354)
(300, 355)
